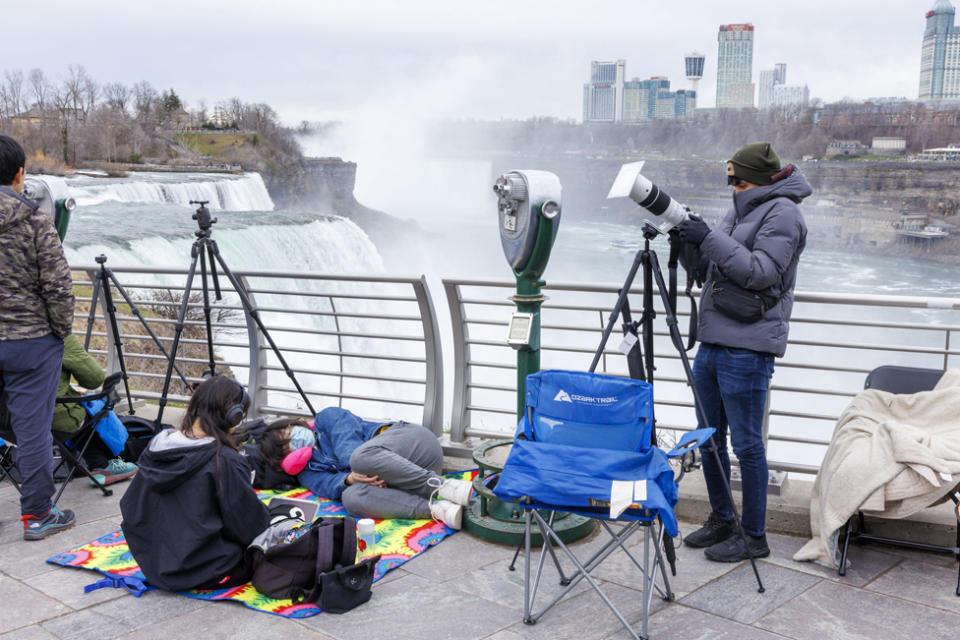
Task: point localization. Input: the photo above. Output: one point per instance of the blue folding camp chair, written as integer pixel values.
(584, 444)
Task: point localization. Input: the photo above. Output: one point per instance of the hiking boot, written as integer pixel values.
(717, 529)
(115, 471)
(456, 491)
(448, 513)
(39, 527)
(733, 550)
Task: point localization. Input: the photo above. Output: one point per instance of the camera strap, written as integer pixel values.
(675, 248)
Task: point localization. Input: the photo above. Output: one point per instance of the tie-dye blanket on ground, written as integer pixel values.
(397, 541)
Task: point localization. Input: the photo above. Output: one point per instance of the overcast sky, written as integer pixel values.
(325, 59)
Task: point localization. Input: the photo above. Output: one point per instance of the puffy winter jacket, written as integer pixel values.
(339, 433)
(757, 246)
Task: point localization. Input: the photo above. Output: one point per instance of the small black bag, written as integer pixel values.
(320, 567)
(344, 588)
(738, 303)
(291, 570)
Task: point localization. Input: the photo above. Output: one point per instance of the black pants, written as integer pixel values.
(97, 454)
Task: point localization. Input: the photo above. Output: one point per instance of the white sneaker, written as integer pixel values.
(456, 491)
(448, 513)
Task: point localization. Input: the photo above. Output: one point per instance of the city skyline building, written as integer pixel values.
(765, 85)
(773, 90)
(603, 95)
(646, 100)
(693, 66)
(940, 54)
(735, 88)
(790, 95)
(608, 97)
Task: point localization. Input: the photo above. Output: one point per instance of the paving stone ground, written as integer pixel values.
(462, 590)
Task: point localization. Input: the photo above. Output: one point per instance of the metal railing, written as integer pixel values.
(366, 343)
(835, 341)
(371, 344)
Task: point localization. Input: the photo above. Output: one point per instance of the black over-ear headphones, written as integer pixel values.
(235, 412)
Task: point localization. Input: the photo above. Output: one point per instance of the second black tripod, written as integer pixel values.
(640, 353)
(101, 285)
(205, 249)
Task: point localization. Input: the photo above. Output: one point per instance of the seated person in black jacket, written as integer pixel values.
(191, 511)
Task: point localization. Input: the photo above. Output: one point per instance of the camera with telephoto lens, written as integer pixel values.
(665, 212)
(660, 214)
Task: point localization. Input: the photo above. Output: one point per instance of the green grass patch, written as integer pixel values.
(215, 143)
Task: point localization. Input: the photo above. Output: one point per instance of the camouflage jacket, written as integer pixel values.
(36, 292)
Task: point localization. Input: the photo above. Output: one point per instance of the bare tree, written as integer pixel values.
(90, 92)
(72, 90)
(13, 92)
(144, 101)
(117, 96)
(40, 89)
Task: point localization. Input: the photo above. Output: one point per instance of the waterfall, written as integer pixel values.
(328, 245)
(223, 191)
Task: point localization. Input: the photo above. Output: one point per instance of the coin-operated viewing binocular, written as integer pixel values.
(529, 216)
(53, 196)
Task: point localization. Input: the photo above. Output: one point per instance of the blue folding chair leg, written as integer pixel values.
(648, 571)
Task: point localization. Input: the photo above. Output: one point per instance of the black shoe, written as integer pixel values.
(733, 550)
(55, 521)
(717, 529)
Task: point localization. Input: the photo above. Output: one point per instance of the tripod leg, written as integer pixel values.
(93, 312)
(635, 355)
(646, 258)
(178, 331)
(206, 305)
(115, 329)
(255, 314)
(678, 343)
(612, 318)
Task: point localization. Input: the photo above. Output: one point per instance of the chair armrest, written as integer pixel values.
(109, 383)
(691, 440)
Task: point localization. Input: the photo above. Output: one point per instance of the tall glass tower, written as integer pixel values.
(735, 88)
(940, 55)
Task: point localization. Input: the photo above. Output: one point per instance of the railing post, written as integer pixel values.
(433, 354)
(946, 351)
(336, 324)
(461, 373)
(257, 373)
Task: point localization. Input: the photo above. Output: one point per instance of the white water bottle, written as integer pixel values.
(366, 538)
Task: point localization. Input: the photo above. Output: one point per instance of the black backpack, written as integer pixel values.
(319, 567)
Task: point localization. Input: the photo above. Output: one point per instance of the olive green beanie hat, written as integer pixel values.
(756, 162)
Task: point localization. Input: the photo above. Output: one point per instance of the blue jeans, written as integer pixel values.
(732, 384)
(29, 373)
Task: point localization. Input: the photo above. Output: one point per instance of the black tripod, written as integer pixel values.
(640, 355)
(204, 249)
(101, 283)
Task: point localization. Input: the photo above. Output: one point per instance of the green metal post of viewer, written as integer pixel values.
(529, 299)
(529, 206)
(529, 212)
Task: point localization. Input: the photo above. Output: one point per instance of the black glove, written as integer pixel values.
(693, 230)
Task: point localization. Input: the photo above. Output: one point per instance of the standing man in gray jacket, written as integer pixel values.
(36, 314)
(745, 310)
